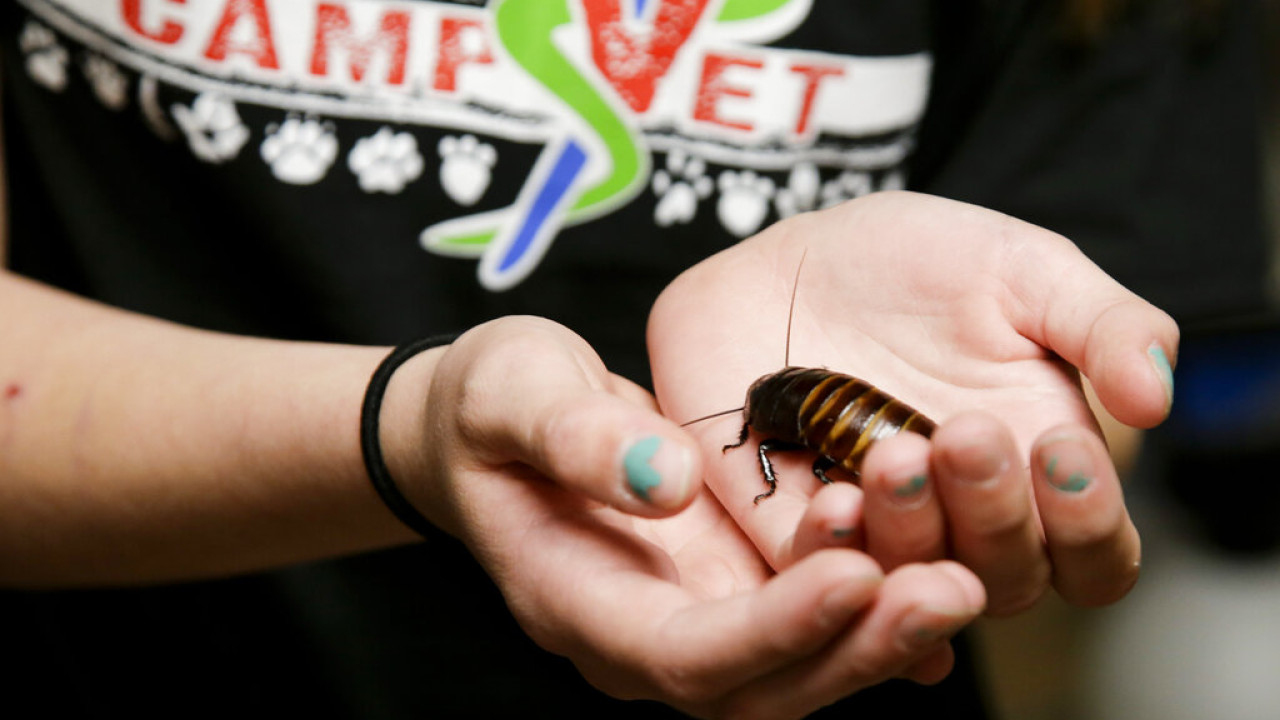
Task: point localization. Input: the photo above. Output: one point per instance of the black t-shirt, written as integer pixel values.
(1142, 146)
(375, 171)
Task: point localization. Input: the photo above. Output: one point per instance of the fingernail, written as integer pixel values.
(1165, 370)
(657, 471)
(978, 463)
(850, 597)
(1067, 466)
(928, 626)
(910, 491)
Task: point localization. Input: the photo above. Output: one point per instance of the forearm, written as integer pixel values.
(134, 450)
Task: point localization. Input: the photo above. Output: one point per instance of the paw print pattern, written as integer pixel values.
(680, 187)
(744, 201)
(895, 180)
(107, 80)
(801, 193)
(212, 126)
(466, 168)
(46, 59)
(848, 185)
(386, 161)
(152, 111)
(299, 151)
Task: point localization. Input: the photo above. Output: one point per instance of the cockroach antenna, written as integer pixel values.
(791, 310)
(713, 415)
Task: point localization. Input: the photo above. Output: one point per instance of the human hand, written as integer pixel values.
(539, 459)
(972, 317)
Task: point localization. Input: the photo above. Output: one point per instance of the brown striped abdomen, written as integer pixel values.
(831, 413)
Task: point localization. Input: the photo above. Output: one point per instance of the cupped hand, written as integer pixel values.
(585, 506)
(972, 317)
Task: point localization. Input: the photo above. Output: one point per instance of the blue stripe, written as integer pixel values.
(559, 181)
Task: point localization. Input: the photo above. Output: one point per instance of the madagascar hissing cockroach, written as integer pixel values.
(835, 415)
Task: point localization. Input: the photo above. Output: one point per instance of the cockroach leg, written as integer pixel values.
(821, 466)
(742, 438)
(766, 466)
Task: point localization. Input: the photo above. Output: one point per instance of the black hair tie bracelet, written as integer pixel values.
(370, 446)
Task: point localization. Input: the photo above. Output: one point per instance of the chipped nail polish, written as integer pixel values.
(912, 487)
(925, 627)
(641, 475)
(1073, 482)
(1164, 369)
(657, 470)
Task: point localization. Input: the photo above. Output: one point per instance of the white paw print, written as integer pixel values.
(801, 193)
(744, 201)
(108, 82)
(212, 126)
(467, 167)
(896, 180)
(46, 59)
(300, 151)
(385, 161)
(848, 185)
(679, 188)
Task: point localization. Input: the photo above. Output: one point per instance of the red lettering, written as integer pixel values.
(333, 27)
(714, 86)
(261, 48)
(813, 76)
(633, 63)
(169, 33)
(462, 41)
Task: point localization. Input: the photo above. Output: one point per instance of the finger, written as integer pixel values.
(934, 667)
(1092, 542)
(1123, 344)
(770, 517)
(833, 519)
(992, 523)
(918, 608)
(713, 648)
(903, 514)
(535, 393)
(631, 391)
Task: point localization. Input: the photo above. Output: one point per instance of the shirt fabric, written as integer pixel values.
(374, 171)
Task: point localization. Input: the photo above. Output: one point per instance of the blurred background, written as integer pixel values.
(1199, 637)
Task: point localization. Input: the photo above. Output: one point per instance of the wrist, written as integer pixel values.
(394, 428)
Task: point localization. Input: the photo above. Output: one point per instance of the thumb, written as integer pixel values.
(1126, 346)
(607, 448)
(550, 403)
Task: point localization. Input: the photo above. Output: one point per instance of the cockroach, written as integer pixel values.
(835, 415)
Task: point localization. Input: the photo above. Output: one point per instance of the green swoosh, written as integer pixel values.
(525, 27)
(748, 9)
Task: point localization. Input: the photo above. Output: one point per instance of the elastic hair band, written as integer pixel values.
(370, 445)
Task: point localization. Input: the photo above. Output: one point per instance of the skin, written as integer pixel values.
(244, 457)
(975, 318)
(137, 451)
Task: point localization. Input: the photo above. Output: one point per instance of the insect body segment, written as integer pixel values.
(835, 415)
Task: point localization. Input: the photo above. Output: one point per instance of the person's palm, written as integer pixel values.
(525, 460)
(946, 306)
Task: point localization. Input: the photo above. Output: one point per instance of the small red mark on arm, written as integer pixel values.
(12, 391)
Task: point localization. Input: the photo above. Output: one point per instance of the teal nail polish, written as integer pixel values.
(911, 487)
(1074, 483)
(641, 476)
(841, 533)
(1163, 367)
